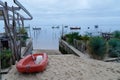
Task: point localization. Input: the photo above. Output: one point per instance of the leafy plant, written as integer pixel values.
(5, 56)
(22, 30)
(84, 40)
(24, 36)
(85, 37)
(70, 37)
(116, 34)
(114, 47)
(24, 33)
(97, 47)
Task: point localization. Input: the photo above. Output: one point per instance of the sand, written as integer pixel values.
(71, 67)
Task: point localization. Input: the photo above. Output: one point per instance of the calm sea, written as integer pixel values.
(48, 38)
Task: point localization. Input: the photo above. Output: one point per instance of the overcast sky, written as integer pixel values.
(72, 12)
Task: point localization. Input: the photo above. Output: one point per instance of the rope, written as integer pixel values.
(28, 68)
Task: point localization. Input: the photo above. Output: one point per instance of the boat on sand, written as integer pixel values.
(33, 63)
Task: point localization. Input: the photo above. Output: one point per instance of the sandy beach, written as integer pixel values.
(70, 67)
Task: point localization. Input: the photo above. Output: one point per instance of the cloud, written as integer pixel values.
(104, 4)
(73, 11)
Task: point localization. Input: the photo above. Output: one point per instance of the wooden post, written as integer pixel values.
(62, 31)
(29, 30)
(14, 34)
(11, 32)
(19, 37)
(18, 18)
(22, 22)
(0, 60)
(15, 37)
(8, 31)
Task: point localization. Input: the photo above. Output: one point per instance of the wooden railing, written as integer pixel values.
(66, 48)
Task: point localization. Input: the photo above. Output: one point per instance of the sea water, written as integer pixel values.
(48, 38)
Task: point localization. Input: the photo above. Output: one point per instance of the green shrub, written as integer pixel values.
(70, 37)
(22, 30)
(24, 33)
(24, 36)
(114, 47)
(97, 47)
(116, 34)
(85, 38)
(5, 57)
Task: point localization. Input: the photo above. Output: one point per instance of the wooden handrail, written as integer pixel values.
(23, 8)
(20, 6)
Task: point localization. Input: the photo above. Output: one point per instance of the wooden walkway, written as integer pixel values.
(71, 49)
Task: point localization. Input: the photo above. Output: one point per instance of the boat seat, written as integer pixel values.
(38, 59)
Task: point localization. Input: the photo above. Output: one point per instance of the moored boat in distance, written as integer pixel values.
(65, 26)
(37, 28)
(27, 27)
(75, 28)
(55, 27)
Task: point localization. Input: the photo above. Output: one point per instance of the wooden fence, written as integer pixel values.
(78, 49)
(65, 48)
(80, 45)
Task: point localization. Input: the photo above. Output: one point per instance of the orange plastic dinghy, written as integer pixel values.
(28, 64)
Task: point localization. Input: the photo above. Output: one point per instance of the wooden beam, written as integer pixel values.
(15, 18)
(23, 8)
(9, 8)
(1, 13)
(16, 8)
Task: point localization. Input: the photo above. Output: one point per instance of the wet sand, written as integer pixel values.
(49, 52)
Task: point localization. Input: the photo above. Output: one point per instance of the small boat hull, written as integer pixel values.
(27, 64)
(36, 28)
(75, 28)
